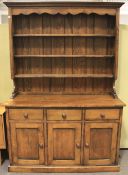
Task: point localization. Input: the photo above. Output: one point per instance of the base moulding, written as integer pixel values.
(63, 169)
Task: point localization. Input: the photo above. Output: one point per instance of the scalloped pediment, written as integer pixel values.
(63, 11)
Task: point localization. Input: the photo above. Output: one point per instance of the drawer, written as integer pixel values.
(25, 114)
(97, 114)
(63, 114)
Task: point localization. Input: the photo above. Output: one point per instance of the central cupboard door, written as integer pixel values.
(64, 143)
(27, 143)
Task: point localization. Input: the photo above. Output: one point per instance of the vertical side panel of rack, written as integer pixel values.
(11, 43)
(116, 44)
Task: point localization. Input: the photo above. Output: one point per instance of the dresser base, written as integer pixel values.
(64, 169)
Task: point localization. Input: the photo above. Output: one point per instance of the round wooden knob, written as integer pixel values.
(78, 145)
(86, 145)
(102, 116)
(41, 145)
(64, 116)
(26, 116)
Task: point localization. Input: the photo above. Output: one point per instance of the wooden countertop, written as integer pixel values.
(64, 101)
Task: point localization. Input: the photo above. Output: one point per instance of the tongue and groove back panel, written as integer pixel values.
(64, 54)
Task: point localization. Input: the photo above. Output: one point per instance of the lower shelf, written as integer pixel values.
(63, 169)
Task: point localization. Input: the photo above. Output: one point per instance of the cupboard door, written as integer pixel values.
(100, 143)
(27, 143)
(64, 143)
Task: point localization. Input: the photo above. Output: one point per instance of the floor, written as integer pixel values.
(123, 163)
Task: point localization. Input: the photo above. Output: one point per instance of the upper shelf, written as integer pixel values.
(64, 35)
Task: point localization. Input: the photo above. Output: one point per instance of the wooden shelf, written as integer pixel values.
(63, 76)
(63, 56)
(64, 35)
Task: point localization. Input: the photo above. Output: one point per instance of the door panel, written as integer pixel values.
(59, 144)
(26, 136)
(64, 142)
(27, 142)
(100, 143)
(101, 149)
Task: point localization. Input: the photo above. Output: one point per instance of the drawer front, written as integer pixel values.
(54, 114)
(102, 114)
(25, 114)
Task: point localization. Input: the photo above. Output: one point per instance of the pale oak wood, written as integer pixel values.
(63, 48)
(25, 114)
(29, 137)
(64, 56)
(65, 169)
(64, 35)
(60, 153)
(105, 134)
(102, 114)
(62, 114)
(90, 101)
(64, 76)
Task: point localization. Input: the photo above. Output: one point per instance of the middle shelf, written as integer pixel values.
(64, 56)
(64, 76)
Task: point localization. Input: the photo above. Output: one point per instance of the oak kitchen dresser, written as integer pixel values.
(64, 115)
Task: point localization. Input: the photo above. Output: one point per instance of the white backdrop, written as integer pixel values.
(124, 14)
